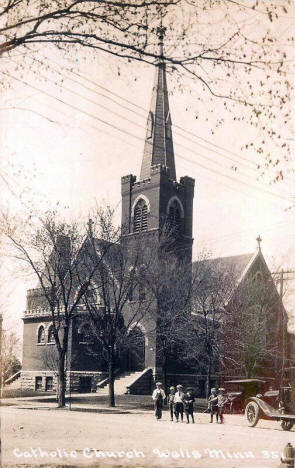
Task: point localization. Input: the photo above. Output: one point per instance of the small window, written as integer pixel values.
(41, 335)
(38, 383)
(49, 384)
(140, 216)
(51, 335)
(130, 295)
(258, 277)
(141, 293)
(92, 295)
(85, 335)
(168, 126)
(150, 125)
(174, 217)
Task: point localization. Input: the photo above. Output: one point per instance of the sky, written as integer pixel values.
(67, 138)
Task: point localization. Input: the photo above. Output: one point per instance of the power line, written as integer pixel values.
(134, 136)
(251, 165)
(136, 123)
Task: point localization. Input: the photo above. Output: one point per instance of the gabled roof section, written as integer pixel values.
(237, 263)
(158, 147)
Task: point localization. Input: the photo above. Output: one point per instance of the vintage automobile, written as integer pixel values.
(276, 405)
(240, 390)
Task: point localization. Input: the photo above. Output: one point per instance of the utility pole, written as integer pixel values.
(1, 358)
(284, 275)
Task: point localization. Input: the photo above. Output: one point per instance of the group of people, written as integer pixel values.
(180, 402)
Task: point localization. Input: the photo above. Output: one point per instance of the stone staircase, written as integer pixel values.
(13, 381)
(121, 383)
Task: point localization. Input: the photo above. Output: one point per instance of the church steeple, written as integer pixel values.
(158, 148)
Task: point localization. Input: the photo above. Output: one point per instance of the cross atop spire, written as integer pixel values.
(161, 33)
(158, 148)
(259, 240)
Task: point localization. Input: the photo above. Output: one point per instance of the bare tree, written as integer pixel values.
(168, 278)
(252, 328)
(9, 355)
(116, 298)
(201, 334)
(209, 42)
(52, 249)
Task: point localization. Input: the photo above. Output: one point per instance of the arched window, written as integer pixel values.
(258, 277)
(51, 335)
(150, 125)
(174, 217)
(140, 216)
(92, 294)
(84, 333)
(168, 126)
(41, 334)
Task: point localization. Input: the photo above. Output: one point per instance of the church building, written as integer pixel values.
(146, 201)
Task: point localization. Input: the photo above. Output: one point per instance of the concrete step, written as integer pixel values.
(120, 383)
(14, 381)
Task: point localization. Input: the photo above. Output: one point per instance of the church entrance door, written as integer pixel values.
(136, 351)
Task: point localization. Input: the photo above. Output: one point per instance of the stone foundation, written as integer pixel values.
(47, 381)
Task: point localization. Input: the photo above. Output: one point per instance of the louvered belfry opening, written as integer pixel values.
(174, 218)
(140, 216)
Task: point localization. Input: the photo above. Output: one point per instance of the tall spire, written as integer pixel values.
(158, 148)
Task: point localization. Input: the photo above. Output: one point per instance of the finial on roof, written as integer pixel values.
(259, 240)
(90, 224)
(161, 33)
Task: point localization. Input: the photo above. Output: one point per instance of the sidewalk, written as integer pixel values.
(92, 402)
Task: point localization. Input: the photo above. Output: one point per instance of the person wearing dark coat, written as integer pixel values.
(213, 404)
(189, 405)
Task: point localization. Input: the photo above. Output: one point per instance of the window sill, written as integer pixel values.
(51, 343)
(41, 344)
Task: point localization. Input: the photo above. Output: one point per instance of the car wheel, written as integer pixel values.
(287, 424)
(252, 413)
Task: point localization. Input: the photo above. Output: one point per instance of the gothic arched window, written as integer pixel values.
(41, 334)
(150, 125)
(51, 335)
(84, 333)
(140, 216)
(174, 217)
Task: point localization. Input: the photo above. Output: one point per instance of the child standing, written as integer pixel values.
(178, 401)
(189, 405)
(171, 402)
(222, 400)
(213, 404)
(158, 397)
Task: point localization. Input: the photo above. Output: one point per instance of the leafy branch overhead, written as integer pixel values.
(238, 51)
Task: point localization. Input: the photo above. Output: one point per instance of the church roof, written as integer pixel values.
(238, 264)
(158, 147)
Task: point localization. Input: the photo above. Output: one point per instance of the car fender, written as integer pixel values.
(266, 411)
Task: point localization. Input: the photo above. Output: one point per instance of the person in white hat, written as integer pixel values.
(179, 404)
(158, 397)
(222, 400)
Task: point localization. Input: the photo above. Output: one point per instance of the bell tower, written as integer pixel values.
(157, 195)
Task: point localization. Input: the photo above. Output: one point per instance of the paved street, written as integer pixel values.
(134, 438)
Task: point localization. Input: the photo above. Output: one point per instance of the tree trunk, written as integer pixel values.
(164, 375)
(61, 382)
(208, 378)
(111, 379)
